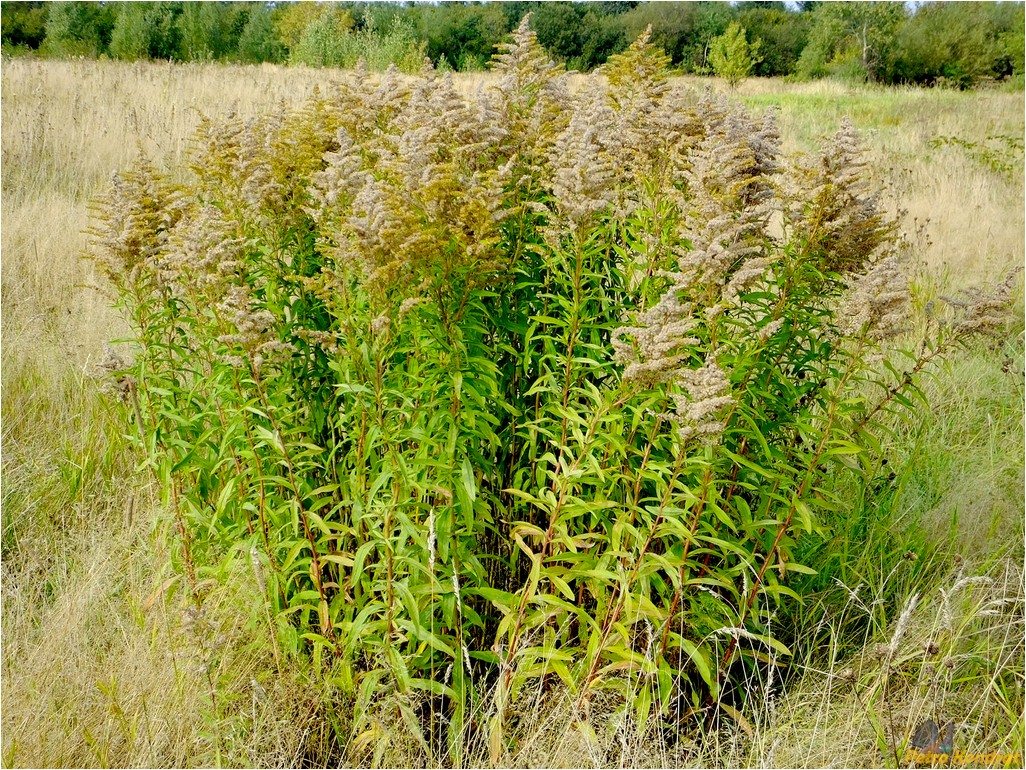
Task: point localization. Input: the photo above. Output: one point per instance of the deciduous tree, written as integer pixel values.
(731, 55)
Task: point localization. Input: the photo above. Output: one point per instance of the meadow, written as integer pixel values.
(916, 610)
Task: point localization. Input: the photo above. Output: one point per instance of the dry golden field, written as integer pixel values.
(98, 670)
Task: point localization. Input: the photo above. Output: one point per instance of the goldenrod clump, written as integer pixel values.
(509, 385)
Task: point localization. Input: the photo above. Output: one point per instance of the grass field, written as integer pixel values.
(99, 670)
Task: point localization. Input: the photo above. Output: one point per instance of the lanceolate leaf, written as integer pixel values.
(512, 384)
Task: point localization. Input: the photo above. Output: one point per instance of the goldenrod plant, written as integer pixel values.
(517, 390)
(154, 670)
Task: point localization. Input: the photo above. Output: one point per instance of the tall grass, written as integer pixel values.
(942, 188)
(103, 666)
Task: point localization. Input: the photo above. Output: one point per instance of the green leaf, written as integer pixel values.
(697, 657)
(503, 600)
(361, 557)
(432, 686)
(804, 513)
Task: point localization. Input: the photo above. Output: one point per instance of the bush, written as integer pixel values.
(22, 25)
(518, 390)
(329, 42)
(732, 57)
(466, 35)
(321, 42)
(954, 44)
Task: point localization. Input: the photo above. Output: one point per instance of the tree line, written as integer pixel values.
(959, 44)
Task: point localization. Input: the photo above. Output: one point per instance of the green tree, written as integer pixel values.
(466, 35)
(1013, 51)
(959, 43)
(558, 26)
(196, 27)
(147, 30)
(23, 24)
(211, 30)
(322, 43)
(258, 41)
(76, 29)
(784, 35)
(852, 40)
(673, 26)
(130, 40)
(711, 21)
(731, 55)
(395, 43)
(682, 30)
(292, 19)
(602, 35)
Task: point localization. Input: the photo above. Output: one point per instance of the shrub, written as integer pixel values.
(732, 57)
(513, 390)
(321, 41)
(330, 42)
(257, 42)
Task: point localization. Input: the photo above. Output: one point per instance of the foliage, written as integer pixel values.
(602, 36)
(558, 28)
(784, 36)
(331, 41)
(82, 576)
(23, 24)
(852, 40)
(292, 19)
(683, 30)
(396, 45)
(1000, 153)
(956, 44)
(131, 37)
(321, 42)
(523, 389)
(1011, 38)
(953, 43)
(258, 43)
(948, 43)
(198, 29)
(146, 31)
(732, 57)
(466, 35)
(76, 29)
(580, 34)
(212, 30)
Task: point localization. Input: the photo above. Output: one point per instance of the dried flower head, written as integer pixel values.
(836, 206)
(877, 302)
(134, 219)
(983, 311)
(707, 396)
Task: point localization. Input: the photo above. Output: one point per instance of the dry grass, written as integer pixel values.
(67, 125)
(966, 220)
(95, 674)
(99, 671)
(860, 712)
